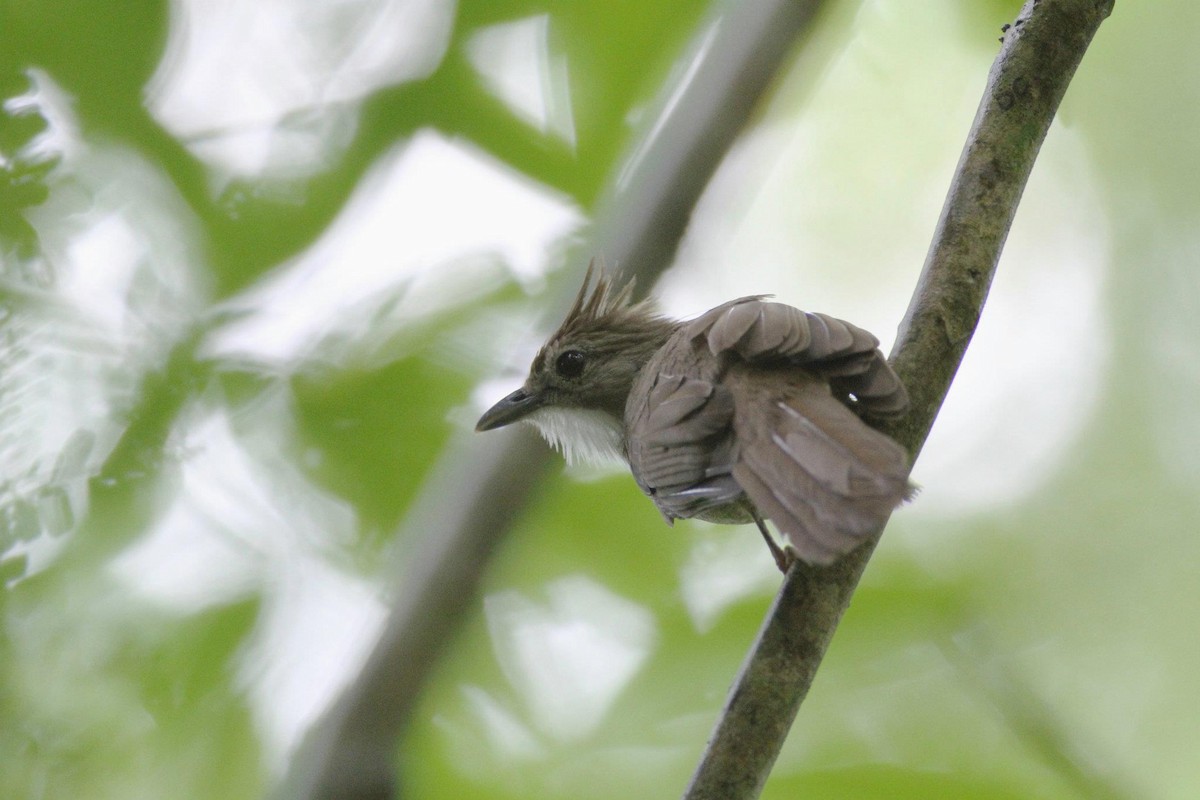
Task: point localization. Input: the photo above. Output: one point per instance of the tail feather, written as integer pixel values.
(823, 476)
(803, 532)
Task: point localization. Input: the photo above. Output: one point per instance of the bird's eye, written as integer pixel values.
(570, 364)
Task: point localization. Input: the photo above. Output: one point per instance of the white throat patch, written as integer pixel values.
(581, 435)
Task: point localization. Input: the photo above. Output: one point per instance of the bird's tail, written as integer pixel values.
(810, 465)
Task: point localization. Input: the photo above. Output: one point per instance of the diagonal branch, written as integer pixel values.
(1028, 80)
(1029, 716)
(479, 487)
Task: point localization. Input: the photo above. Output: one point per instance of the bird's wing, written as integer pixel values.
(762, 332)
(680, 444)
(809, 464)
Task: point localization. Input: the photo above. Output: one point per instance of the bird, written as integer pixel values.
(753, 411)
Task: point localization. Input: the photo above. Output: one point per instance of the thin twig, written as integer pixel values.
(1028, 80)
(479, 487)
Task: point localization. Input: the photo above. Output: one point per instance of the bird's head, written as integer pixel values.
(579, 381)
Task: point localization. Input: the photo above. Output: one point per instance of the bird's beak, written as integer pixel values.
(513, 408)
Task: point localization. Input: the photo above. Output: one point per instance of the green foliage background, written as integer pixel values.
(1037, 649)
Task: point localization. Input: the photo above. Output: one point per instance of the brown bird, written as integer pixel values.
(751, 411)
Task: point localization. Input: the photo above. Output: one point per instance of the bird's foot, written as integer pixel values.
(784, 556)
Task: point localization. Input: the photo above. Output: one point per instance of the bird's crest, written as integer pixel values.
(604, 303)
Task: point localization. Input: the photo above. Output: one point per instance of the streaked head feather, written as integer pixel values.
(606, 306)
(613, 338)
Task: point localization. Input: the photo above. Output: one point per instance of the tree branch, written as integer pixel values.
(480, 486)
(1028, 80)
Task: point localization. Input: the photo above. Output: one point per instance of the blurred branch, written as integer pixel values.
(479, 488)
(1028, 716)
(738, 52)
(1028, 80)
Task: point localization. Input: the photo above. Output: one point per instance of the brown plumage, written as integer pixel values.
(750, 411)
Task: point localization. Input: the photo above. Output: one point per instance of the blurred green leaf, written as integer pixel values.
(374, 434)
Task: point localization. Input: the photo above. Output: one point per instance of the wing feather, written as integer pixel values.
(750, 404)
(729, 328)
(763, 332)
(877, 389)
(683, 410)
(679, 445)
